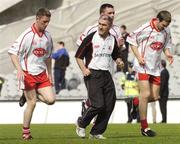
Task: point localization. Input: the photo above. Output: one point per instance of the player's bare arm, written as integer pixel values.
(48, 62)
(15, 61)
(85, 71)
(137, 55)
(169, 56)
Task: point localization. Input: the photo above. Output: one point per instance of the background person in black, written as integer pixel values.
(97, 49)
(164, 91)
(1, 83)
(125, 49)
(61, 58)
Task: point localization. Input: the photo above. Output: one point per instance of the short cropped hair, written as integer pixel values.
(124, 27)
(164, 16)
(106, 17)
(61, 43)
(104, 6)
(163, 63)
(43, 12)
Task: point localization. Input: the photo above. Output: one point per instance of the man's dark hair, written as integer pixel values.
(124, 27)
(43, 12)
(163, 63)
(164, 16)
(61, 43)
(104, 6)
(107, 18)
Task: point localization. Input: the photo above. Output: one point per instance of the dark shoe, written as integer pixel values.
(22, 100)
(129, 121)
(148, 132)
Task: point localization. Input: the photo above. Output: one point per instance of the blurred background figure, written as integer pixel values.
(164, 91)
(1, 84)
(154, 112)
(131, 90)
(61, 58)
(125, 48)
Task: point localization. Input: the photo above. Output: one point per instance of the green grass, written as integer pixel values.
(65, 134)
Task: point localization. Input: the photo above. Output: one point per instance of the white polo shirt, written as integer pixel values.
(32, 49)
(98, 52)
(150, 43)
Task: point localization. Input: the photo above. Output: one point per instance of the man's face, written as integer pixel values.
(122, 30)
(42, 22)
(103, 27)
(162, 25)
(110, 12)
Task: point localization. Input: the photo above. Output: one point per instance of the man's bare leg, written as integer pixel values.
(46, 95)
(28, 112)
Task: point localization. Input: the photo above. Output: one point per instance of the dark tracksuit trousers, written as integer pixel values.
(102, 96)
(163, 108)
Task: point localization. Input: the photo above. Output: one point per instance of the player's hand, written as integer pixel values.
(141, 61)
(20, 75)
(50, 78)
(86, 72)
(170, 58)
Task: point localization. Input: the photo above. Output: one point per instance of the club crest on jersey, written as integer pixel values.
(156, 46)
(39, 52)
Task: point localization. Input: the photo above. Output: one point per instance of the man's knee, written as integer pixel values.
(156, 98)
(145, 95)
(51, 101)
(31, 103)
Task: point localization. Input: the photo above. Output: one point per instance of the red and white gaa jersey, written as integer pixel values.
(115, 31)
(150, 43)
(32, 49)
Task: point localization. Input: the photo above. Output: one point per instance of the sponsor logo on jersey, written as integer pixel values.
(39, 52)
(102, 55)
(156, 46)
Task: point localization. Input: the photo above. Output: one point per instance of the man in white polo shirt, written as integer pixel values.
(30, 55)
(105, 9)
(98, 48)
(147, 43)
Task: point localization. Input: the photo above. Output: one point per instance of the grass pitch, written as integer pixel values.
(65, 134)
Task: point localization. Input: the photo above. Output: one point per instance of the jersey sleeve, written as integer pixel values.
(88, 31)
(84, 47)
(116, 51)
(168, 43)
(133, 37)
(50, 47)
(19, 45)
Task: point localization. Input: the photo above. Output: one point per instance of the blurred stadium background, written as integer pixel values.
(69, 19)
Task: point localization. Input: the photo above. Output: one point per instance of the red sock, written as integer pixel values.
(26, 130)
(136, 101)
(144, 124)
